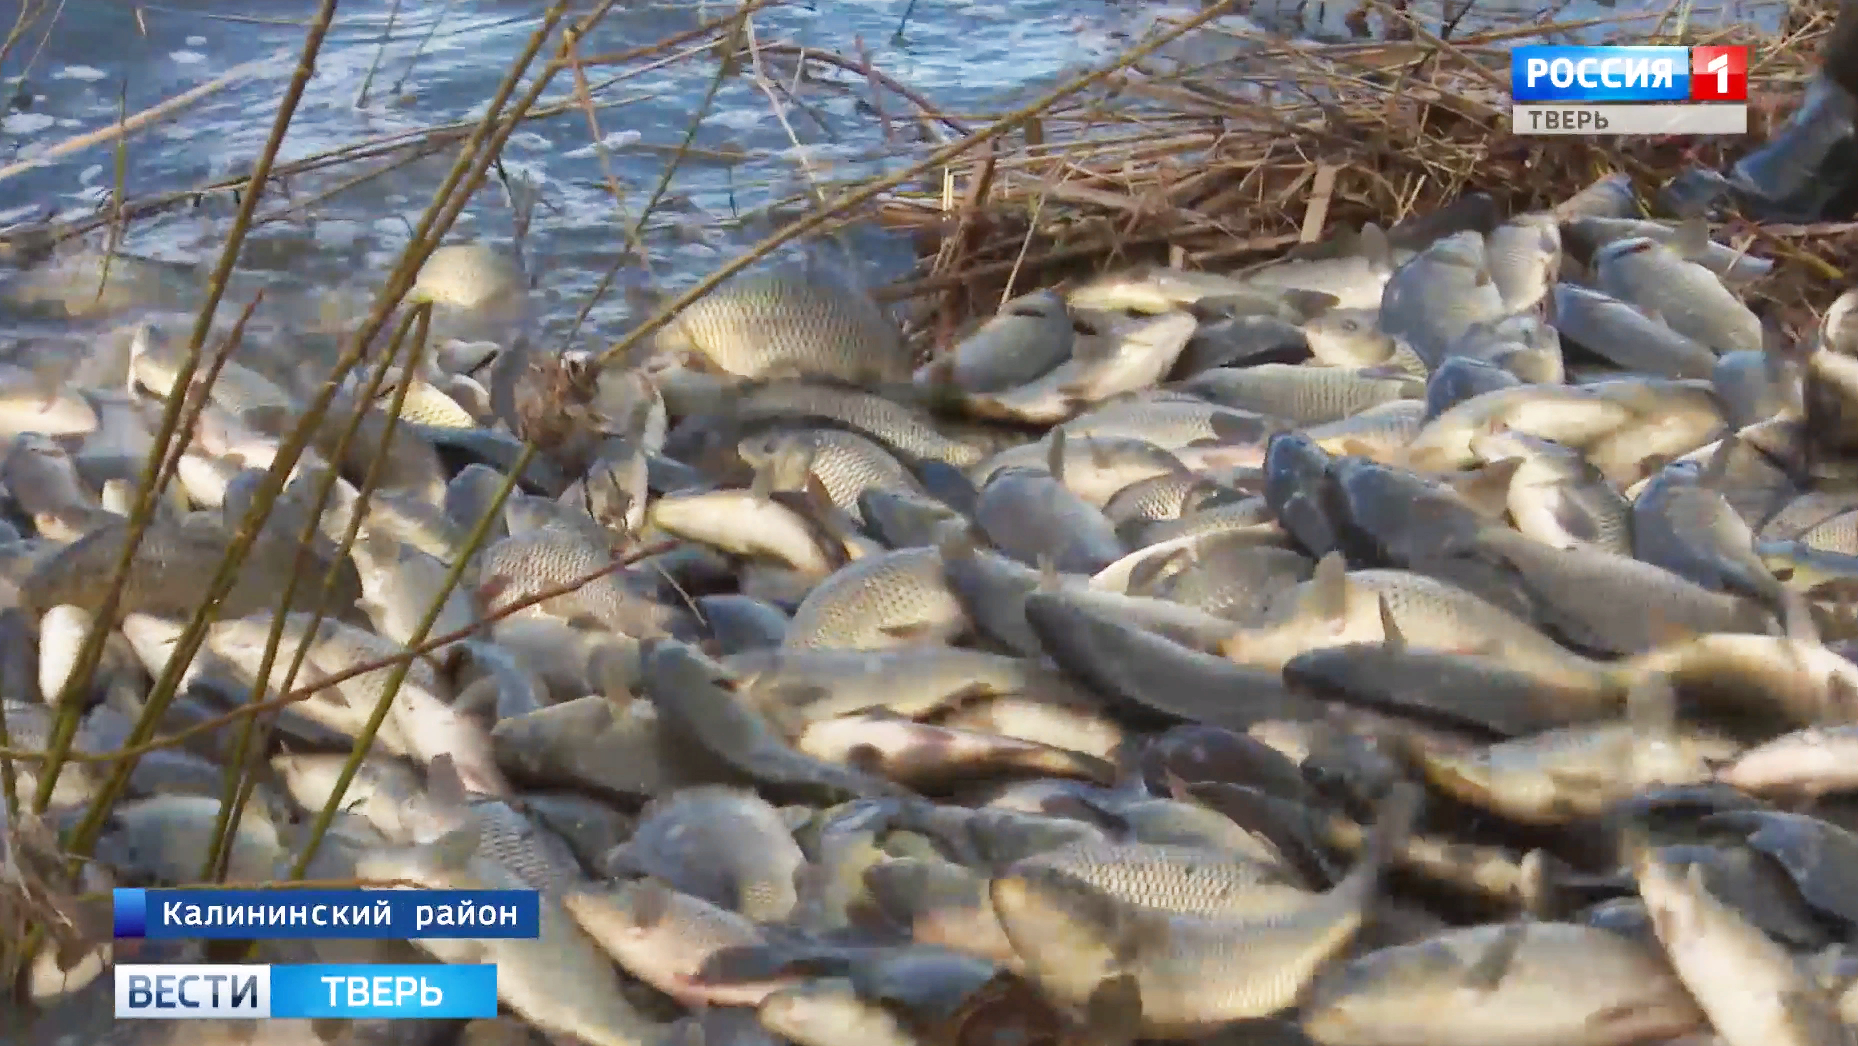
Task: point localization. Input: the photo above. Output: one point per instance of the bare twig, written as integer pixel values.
(148, 117)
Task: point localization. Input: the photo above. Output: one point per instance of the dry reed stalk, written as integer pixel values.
(253, 737)
(150, 494)
(1228, 163)
(303, 693)
(148, 117)
(851, 202)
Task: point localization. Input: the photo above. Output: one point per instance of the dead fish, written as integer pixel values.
(164, 839)
(725, 846)
(1336, 606)
(1158, 290)
(1567, 414)
(779, 324)
(1437, 295)
(697, 700)
(917, 681)
(557, 981)
(1303, 395)
(845, 463)
(1192, 972)
(1610, 196)
(1350, 337)
(1613, 603)
(1525, 258)
(941, 903)
(1626, 335)
(1356, 276)
(1033, 517)
(891, 599)
(1580, 771)
(1748, 985)
(828, 1011)
(1689, 298)
(1809, 763)
(468, 276)
(400, 583)
(746, 523)
(664, 938)
(589, 743)
(1736, 268)
(1517, 984)
(1030, 335)
(1127, 359)
(1556, 496)
(924, 756)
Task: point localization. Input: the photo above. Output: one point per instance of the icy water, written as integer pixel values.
(434, 62)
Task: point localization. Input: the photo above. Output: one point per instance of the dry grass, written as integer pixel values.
(1218, 166)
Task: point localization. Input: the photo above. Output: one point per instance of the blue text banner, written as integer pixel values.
(353, 914)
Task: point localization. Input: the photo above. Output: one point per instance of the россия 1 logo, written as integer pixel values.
(1719, 74)
(1629, 74)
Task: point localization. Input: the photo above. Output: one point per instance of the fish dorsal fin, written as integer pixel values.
(1054, 455)
(1691, 239)
(1392, 639)
(1486, 972)
(957, 544)
(454, 849)
(444, 786)
(379, 546)
(1651, 705)
(1150, 570)
(1797, 619)
(1718, 464)
(1048, 573)
(796, 456)
(1177, 787)
(48, 378)
(762, 486)
(1488, 488)
(1371, 243)
(651, 902)
(1327, 596)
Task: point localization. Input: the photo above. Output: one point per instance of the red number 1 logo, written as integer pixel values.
(1719, 74)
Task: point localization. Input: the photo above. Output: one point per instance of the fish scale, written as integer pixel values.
(1158, 497)
(884, 420)
(519, 567)
(1690, 298)
(1525, 257)
(426, 404)
(1182, 880)
(1222, 518)
(846, 463)
(1303, 395)
(1838, 534)
(886, 600)
(775, 324)
(1169, 423)
(166, 573)
(29, 726)
(1433, 613)
(532, 853)
(724, 845)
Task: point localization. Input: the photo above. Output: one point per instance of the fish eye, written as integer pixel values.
(1351, 326)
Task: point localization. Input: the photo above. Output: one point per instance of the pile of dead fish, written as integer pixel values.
(1421, 644)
